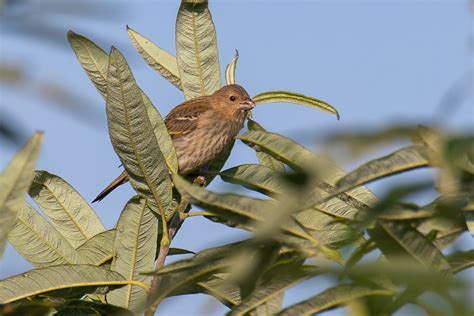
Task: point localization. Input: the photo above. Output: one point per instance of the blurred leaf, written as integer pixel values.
(38, 241)
(296, 98)
(98, 249)
(360, 141)
(332, 297)
(64, 278)
(67, 210)
(15, 180)
(402, 160)
(196, 49)
(226, 292)
(133, 138)
(179, 251)
(230, 69)
(155, 56)
(245, 211)
(460, 261)
(264, 158)
(83, 308)
(134, 252)
(397, 239)
(447, 229)
(345, 205)
(255, 177)
(92, 58)
(267, 292)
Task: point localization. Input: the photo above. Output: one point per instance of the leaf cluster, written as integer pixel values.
(308, 218)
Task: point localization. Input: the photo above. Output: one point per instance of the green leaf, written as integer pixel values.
(255, 177)
(230, 69)
(332, 297)
(95, 62)
(66, 209)
(296, 98)
(196, 49)
(98, 249)
(179, 251)
(133, 138)
(92, 58)
(135, 248)
(218, 163)
(14, 183)
(264, 158)
(397, 239)
(155, 56)
(237, 209)
(268, 292)
(345, 205)
(223, 290)
(460, 261)
(402, 160)
(69, 278)
(38, 241)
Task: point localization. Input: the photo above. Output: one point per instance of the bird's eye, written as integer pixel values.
(232, 98)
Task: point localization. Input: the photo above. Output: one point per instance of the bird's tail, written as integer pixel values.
(121, 179)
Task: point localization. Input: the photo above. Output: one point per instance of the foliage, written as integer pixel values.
(310, 220)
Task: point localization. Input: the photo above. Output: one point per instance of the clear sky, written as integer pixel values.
(377, 62)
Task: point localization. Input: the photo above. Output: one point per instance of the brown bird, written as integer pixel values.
(201, 129)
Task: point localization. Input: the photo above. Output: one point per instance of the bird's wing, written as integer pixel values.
(184, 118)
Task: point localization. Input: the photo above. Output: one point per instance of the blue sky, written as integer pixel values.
(377, 62)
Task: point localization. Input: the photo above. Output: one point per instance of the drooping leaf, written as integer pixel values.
(460, 261)
(223, 290)
(397, 239)
(404, 159)
(296, 98)
(255, 177)
(92, 58)
(95, 63)
(98, 249)
(38, 241)
(230, 69)
(332, 297)
(69, 279)
(66, 209)
(239, 210)
(158, 58)
(345, 205)
(132, 136)
(196, 49)
(267, 292)
(179, 251)
(219, 163)
(264, 158)
(134, 252)
(14, 183)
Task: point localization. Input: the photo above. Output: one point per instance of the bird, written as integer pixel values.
(201, 128)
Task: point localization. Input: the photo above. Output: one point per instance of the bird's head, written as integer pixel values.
(234, 97)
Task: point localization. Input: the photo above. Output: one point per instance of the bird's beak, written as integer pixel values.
(247, 105)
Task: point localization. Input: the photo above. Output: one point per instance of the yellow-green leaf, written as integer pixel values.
(133, 138)
(296, 98)
(98, 249)
(38, 241)
(14, 183)
(135, 247)
(264, 158)
(155, 56)
(196, 49)
(66, 209)
(230, 69)
(330, 298)
(92, 58)
(71, 278)
(95, 63)
(404, 159)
